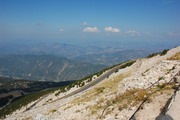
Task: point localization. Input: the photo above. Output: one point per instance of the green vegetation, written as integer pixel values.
(161, 78)
(160, 53)
(127, 64)
(164, 52)
(152, 55)
(8, 84)
(5, 100)
(116, 70)
(23, 102)
(161, 86)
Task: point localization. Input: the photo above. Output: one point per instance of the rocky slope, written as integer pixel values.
(117, 97)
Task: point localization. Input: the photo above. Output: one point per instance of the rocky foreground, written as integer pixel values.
(141, 91)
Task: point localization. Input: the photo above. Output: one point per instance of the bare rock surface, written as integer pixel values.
(175, 108)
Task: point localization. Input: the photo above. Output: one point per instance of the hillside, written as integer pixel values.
(11, 89)
(8, 84)
(45, 68)
(139, 89)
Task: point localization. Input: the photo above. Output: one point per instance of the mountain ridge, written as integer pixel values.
(105, 55)
(45, 67)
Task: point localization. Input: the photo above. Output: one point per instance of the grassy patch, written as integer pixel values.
(100, 89)
(108, 84)
(135, 94)
(95, 109)
(125, 99)
(68, 107)
(112, 83)
(175, 57)
(122, 106)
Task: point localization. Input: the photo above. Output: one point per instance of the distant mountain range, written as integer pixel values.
(45, 68)
(106, 55)
(111, 58)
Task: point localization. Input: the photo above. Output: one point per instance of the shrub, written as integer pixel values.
(160, 53)
(164, 52)
(152, 55)
(161, 78)
(116, 70)
(161, 86)
(127, 64)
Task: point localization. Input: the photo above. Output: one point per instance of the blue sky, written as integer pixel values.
(118, 21)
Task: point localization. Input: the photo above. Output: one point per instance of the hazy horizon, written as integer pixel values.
(139, 24)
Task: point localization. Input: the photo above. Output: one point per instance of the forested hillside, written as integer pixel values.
(45, 68)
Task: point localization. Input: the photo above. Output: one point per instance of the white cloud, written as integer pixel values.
(173, 34)
(91, 29)
(132, 32)
(84, 23)
(111, 29)
(61, 30)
